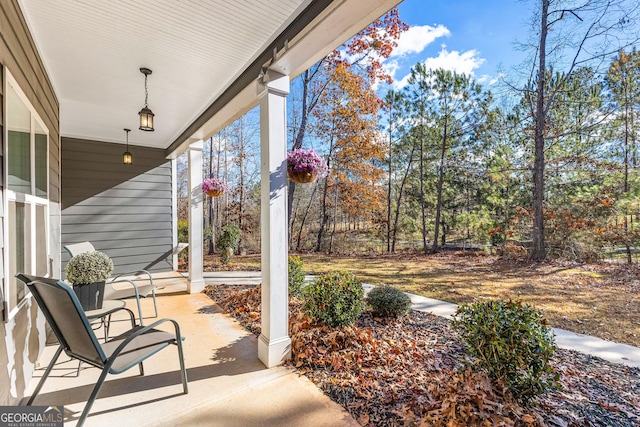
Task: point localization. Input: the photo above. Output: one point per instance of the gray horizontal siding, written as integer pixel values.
(145, 211)
(125, 211)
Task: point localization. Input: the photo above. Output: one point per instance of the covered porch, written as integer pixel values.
(204, 66)
(228, 385)
(74, 68)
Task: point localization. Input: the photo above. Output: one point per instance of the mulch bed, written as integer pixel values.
(411, 372)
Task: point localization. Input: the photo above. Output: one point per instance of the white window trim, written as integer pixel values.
(30, 199)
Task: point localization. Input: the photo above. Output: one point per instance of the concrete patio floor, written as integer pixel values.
(228, 385)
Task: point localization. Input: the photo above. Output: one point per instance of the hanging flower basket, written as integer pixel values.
(305, 166)
(302, 177)
(214, 187)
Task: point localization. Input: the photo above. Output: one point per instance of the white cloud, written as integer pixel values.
(391, 67)
(464, 62)
(412, 41)
(416, 38)
(489, 80)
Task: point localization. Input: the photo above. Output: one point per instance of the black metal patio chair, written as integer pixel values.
(68, 321)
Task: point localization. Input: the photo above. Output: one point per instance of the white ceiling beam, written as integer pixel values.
(330, 30)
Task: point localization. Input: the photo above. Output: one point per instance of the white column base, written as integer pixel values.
(195, 286)
(273, 353)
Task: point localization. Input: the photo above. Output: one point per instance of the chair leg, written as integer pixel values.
(45, 375)
(183, 370)
(140, 311)
(92, 397)
(107, 325)
(155, 306)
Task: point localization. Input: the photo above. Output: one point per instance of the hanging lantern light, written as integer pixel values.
(146, 115)
(127, 158)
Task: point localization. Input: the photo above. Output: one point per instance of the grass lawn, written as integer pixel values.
(602, 300)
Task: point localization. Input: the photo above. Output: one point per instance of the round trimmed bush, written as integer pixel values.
(511, 342)
(228, 242)
(387, 301)
(335, 299)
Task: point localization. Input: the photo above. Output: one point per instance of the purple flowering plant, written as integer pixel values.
(306, 161)
(214, 184)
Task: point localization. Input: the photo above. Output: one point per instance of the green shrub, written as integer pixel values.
(228, 242)
(387, 301)
(335, 299)
(511, 342)
(183, 231)
(296, 276)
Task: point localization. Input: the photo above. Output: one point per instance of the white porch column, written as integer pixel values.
(196, 262)
(174, 212)
(274, 345)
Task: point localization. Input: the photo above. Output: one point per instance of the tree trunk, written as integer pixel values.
(335, 220)
(226, 179)
(443, 152)
(626, 173)
(241, 166)
(399, 198)
(324, 217)
(304, 217)
(297, 143)
(443, 239)
(424, 219)
(389, 200)
(538, 251)
(211, 217)
(389, 190)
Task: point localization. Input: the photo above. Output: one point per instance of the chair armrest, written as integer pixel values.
(133, 273)
(128, 282)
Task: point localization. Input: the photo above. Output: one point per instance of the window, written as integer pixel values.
(27, 213)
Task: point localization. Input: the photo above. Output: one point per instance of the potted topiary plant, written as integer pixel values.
(305, 166)
(87, 273)
(214, 187)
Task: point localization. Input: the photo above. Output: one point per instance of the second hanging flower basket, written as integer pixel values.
(214, 187)
(305, 166)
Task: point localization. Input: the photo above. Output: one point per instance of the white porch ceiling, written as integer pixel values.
(197, 50)
(93, 50)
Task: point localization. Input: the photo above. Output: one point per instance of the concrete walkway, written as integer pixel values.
(233, 278)
(608, 350)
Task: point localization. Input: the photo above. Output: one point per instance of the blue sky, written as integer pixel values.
(470, 36)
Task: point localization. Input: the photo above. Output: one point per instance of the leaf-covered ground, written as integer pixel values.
(599, 299)
(410, 372)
